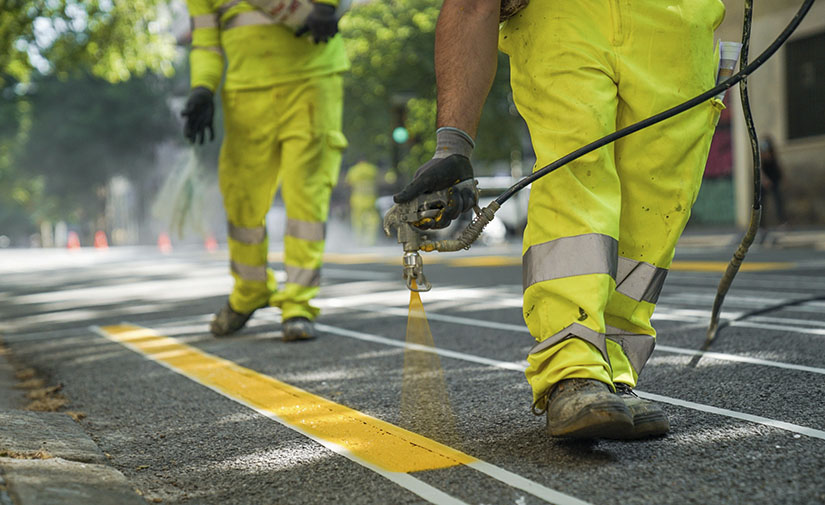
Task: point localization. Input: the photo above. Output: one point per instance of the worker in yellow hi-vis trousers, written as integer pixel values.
(602, 230)
(282, 101)
(362, 179)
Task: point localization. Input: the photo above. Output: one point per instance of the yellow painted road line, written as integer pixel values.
(721, 266)
(501, 261)
(382, 444)
(386, 449)
(486, 261)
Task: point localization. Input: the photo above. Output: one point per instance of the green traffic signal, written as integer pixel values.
(400, 135)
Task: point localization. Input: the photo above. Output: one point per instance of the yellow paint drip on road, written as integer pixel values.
(367, 438)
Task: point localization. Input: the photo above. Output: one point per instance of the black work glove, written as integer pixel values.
(453, 173)
(199, 109)
(322, 22)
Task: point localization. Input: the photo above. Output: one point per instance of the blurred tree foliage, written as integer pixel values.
(59, 107)
(391, 46)
(113, 40)
(86, 130)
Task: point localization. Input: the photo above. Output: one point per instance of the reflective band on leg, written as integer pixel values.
(306, 230)
(593, 253)
(637, 347)
(247, 235)
(310, 278)
(203, 21)
(250, 18)
(575, 330)
(639, 280)
(249, 273)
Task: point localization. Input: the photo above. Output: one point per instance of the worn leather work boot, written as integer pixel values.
(227, 321)
(586, 408)
(298, 328)
(649, 420)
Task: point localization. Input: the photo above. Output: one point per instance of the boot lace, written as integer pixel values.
(624, 389)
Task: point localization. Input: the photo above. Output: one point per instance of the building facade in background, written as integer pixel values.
(787, 96)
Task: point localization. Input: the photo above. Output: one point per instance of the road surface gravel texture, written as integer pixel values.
(188, 418)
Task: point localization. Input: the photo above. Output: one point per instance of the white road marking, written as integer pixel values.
(795, 428)
(405, 480)
(660, 348)
(763, 326)
(803, 430)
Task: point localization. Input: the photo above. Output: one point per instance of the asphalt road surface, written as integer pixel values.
(367, 414)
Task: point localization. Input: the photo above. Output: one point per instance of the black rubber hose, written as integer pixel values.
(756, 212)
(693, 102)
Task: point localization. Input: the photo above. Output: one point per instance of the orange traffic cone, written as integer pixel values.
(164, 244)
(72, 240)
(210, 243)
(100, 240)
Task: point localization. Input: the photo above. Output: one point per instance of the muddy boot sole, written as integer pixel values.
(597, 420)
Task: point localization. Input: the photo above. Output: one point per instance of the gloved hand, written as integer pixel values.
(322, 22)
(199, 109)
(449, 169)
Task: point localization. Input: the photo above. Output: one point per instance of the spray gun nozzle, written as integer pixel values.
(414, 273)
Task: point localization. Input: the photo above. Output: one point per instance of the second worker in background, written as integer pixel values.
(282, 100)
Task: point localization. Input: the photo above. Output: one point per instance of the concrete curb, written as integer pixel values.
(47, 458)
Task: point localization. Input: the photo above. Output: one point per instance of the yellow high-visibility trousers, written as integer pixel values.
(602, 230)
(288, 135)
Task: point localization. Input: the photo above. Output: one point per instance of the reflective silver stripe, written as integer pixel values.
(575, 330)
(637, 347)
(214, 49)
(593, 253)
(204, 21)
(306, 230)
(310, 278)
(225, 7)
(249, 273)
(247, 235)
(639, 280)
(249, 18)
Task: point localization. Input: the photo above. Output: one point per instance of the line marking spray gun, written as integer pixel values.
(407, 217)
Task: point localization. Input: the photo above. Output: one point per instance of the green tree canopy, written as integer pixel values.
(113, 40)
(391, 46)
(61, 123)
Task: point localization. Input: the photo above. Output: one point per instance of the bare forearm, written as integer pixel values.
(466, 45)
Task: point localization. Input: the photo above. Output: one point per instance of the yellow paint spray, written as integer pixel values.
(425, 404)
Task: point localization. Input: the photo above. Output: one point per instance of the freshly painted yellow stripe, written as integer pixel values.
(721, 266)
(372, 440)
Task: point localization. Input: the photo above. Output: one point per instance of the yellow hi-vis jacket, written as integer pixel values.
(259, 52)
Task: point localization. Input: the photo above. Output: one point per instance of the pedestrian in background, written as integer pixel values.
(602, 230)
(772, 178)
(282, 100)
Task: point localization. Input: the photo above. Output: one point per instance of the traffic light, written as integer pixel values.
(401, 138)
(400, 135)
